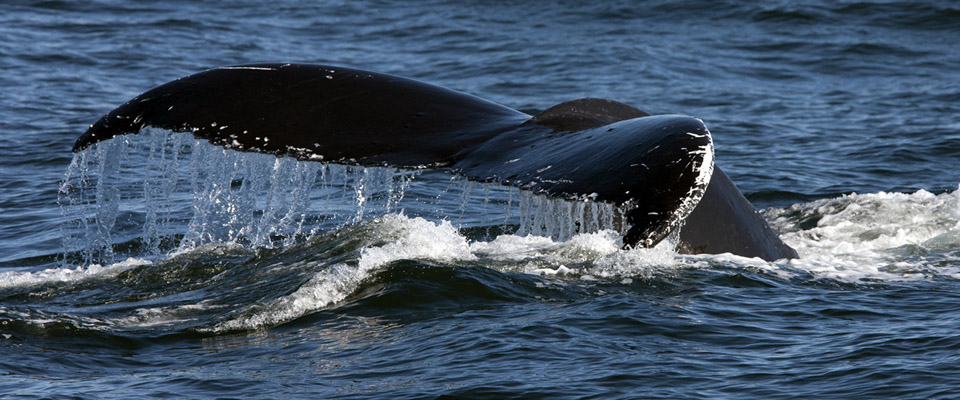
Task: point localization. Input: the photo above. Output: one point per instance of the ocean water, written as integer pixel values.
(127, 271)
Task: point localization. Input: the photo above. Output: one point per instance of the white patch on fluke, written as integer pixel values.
(250, 68)
(704, 171)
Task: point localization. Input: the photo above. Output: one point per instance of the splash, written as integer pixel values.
(159, 193)
(584, 256)
(560, 219)
(163, 192)
(857, 239)
(875, 237)
(26, 279)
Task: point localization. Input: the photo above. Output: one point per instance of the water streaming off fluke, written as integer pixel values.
(158, 192)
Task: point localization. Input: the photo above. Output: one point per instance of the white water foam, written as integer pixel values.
(211, 195)
(875, 237)
(13, 279)
(858, 239)
(585, 256)
(407, 239)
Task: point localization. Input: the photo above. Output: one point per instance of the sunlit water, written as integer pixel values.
(160, 265)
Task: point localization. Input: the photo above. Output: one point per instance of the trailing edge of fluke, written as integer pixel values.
(659, 170)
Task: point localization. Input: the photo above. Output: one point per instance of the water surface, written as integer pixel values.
(837, 119)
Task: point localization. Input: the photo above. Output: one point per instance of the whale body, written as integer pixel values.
(658, 170)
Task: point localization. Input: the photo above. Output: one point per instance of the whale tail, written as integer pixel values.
(314, 112)
(654, 169)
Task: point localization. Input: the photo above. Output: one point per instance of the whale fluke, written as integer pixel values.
(334, 114)
(655, 169)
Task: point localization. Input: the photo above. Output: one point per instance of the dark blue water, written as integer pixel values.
(839, 119)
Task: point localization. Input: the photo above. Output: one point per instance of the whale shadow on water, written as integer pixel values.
(658, 171)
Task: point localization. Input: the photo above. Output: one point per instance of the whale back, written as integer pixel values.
(580, 114)
(725, 222)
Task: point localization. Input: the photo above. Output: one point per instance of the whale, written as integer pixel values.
(657, 170)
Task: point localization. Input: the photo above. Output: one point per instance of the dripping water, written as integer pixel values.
(157, 193)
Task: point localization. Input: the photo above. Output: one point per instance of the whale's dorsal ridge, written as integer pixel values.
(586, 113)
